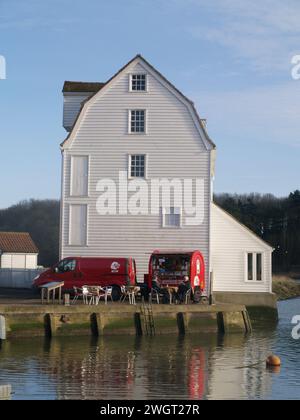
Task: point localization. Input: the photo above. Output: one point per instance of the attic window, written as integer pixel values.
(138, 82)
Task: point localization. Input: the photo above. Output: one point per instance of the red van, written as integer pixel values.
(171, 267)
(93, 271)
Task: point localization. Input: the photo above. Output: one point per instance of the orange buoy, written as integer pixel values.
(273, 361)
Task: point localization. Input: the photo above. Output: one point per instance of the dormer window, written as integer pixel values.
(138, 82)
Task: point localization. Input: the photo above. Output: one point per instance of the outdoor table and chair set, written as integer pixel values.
(92, 295)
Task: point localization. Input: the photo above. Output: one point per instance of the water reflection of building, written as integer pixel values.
(164, 367)
(190, 367)
(94, 370)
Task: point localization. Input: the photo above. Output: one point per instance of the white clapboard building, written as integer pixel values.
(17, 251)
(139, 127)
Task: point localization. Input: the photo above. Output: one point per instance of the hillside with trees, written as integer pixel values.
(41, 219)
(276, 220)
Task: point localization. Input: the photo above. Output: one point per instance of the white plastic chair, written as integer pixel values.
(105, 292)
(77, 294)
(125, 294)
(88, 294)
(154, 294)
(128, 293)
(188, 296)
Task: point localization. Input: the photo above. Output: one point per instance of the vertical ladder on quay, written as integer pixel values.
(147, 314)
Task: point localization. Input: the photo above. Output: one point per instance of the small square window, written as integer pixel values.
(171, 217)
(138, 82)
(137, 166)
(137, 121)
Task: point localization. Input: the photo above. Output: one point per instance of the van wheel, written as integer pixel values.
(116, 293)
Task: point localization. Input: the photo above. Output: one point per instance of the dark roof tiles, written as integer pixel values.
(82, 86)
(17, 242)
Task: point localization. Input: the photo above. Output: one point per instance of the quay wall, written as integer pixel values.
(121, 319)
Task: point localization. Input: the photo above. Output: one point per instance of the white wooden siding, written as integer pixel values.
(18, 261)
(31, 261)
(230, 243)
(25, 261)
(174, 150)
(6, 260)
(72, 105)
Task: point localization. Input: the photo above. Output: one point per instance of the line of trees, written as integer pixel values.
(276, 220)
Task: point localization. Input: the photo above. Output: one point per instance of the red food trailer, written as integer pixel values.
(171, 267)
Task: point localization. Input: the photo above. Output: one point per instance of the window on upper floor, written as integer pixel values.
(137, 166)
(137, 121)
(138, 82)
(79, 176)
(171, 217)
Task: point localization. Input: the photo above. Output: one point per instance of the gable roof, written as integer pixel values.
(242, 226)
(91, 87)
(179, 93)
(17, 242)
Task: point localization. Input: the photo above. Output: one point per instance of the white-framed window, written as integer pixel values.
(259, 267)
(138, 82)
(254, 267)
(78, 216)
(79, 176)
(137, 166)
(137, 121)
(171, 217)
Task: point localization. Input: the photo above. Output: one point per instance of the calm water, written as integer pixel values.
(204, 367)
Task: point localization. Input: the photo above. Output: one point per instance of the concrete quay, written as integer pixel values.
(25, 320)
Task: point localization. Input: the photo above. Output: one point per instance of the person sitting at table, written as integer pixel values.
(146, 290)
(183, 288)
(156, 285)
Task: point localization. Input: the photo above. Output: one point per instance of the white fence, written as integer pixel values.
(18, 278)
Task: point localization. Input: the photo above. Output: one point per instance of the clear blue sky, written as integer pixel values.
(231, 57)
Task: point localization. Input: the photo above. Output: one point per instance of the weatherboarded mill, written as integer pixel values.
(128, 136)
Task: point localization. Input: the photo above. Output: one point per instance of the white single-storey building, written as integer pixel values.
(241, 262)
(125, 137)
(17, 251)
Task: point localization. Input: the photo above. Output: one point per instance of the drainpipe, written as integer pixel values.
(2, 328)
(211, 288)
